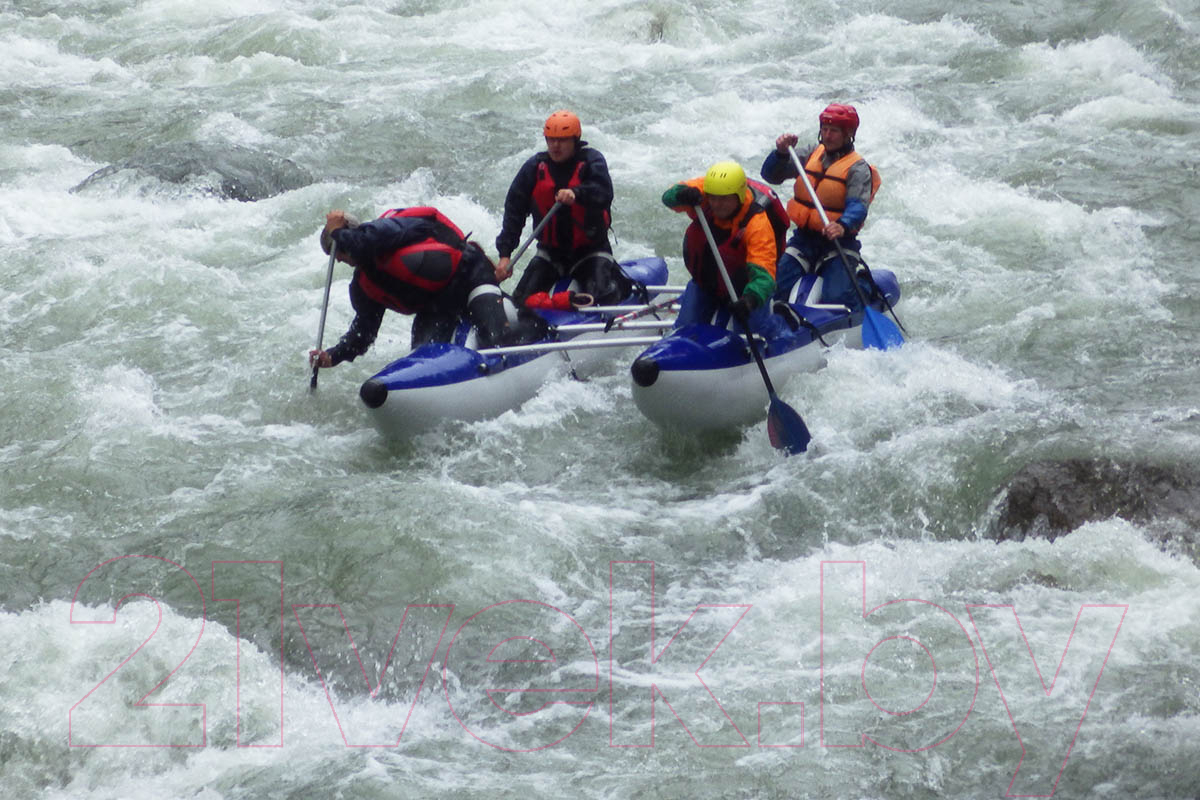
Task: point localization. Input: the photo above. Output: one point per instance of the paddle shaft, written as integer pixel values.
(733, 295)
(538, 229)
(312, 385)
(652, 308)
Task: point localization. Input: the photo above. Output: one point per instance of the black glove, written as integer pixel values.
(742, 308)
(688, 195)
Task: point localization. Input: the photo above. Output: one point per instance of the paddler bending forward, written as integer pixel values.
(415, 261)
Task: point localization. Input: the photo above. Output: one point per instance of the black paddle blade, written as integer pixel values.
(786, 428)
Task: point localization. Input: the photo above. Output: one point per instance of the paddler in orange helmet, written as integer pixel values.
(574, 240)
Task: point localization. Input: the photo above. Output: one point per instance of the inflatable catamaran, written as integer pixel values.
(696, 378)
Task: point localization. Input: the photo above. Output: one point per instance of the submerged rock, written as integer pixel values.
(230, 171)
(1046, 499)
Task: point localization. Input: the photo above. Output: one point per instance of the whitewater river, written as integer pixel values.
(216, 585)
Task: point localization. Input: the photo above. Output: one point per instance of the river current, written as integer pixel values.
(216, 585)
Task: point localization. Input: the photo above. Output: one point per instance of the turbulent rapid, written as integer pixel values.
(216, 585)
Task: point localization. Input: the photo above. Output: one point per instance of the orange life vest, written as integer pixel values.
(830, 186)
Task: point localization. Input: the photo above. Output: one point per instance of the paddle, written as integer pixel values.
(538, 229)
(877, 331)
(312, 385)
(650, 308)
(785, 427)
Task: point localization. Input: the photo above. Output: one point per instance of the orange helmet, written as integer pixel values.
(562, 124)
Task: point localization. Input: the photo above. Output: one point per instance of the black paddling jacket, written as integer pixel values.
(580, 229)
(370, 244)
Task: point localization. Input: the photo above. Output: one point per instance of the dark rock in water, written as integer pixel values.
(232, 171)
(1049, 498)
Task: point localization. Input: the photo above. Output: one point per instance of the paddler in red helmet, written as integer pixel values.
(845, 184)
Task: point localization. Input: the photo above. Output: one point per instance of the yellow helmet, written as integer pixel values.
(725, 177)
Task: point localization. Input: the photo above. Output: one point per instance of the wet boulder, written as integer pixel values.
(230, 171)
(1046, 499)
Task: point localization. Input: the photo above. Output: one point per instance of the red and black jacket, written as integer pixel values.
(405, 258)
(697, 255)
(578, 229)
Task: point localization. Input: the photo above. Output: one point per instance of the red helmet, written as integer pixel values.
(842, 116)
(562, 124)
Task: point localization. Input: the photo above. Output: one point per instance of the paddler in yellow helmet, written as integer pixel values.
(743, 219)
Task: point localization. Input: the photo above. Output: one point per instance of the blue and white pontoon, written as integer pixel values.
(454, 381)
(702, 377)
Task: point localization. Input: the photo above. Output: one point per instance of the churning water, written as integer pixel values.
(298, 608)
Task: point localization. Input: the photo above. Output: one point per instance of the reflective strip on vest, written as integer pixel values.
(408, 279)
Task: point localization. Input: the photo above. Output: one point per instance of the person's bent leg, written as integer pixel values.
(433, 325)
(539, 276)
(765, 323)
(599, 275)
(485, 305)
(795, 262)
(837, 287)
(475, 293)
(695, 306)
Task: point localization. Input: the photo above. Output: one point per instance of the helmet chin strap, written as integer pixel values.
(847, 143)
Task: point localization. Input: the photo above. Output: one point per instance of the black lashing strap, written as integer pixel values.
(796, 320)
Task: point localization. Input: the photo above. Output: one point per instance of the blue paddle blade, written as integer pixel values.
(785, 428)
(880, 332)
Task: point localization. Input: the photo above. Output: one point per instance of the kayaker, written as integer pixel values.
(413, 261)
(575, 240)
(846, 184)
(739, 216)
